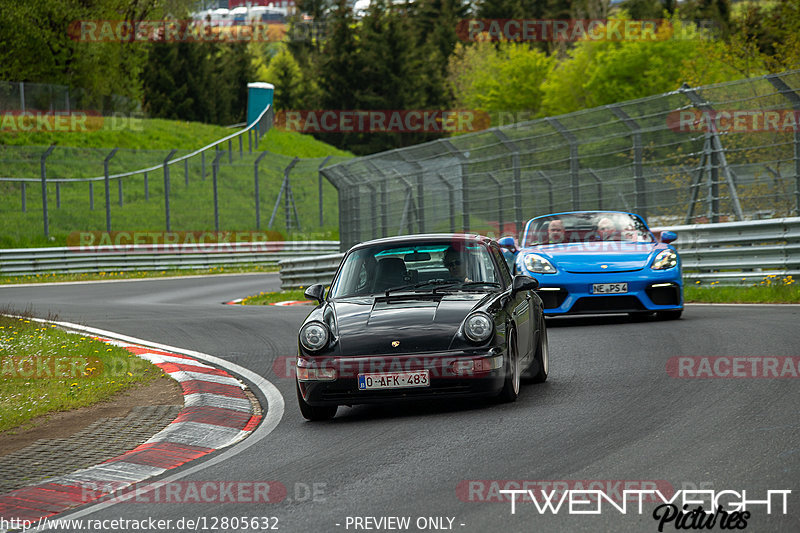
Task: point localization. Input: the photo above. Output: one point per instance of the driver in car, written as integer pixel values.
(456, 264)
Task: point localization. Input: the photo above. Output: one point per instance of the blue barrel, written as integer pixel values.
(259, 96)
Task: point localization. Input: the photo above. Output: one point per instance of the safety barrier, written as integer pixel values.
(728, 253)
(75, 260)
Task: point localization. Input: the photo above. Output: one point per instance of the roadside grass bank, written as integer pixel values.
(266, 298)
(137, 202)
(772, 289)
(138, 274)
(45, 369)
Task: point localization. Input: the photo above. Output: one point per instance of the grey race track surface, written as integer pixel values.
(608, 412)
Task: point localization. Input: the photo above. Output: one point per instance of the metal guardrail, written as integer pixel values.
(77, 260)
(734, 253)
(729, 253)
(303, 272)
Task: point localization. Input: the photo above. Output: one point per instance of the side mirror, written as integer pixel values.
(315, 292)
(523, 283)
(668, 236)
(508, 243)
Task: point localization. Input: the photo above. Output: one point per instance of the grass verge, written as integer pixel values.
(45, 369)
(772, 289)
(266, 298)
(138, 274)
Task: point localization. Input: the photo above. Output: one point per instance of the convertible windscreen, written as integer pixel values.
(421, 267)
(586, 227)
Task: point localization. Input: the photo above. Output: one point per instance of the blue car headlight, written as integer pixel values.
(538, 264)
(665, 259)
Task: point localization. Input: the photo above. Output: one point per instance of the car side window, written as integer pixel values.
(505, 275)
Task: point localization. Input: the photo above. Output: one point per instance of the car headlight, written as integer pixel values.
(664, 260)
(478, 327)
(314, 336)
(538, 264)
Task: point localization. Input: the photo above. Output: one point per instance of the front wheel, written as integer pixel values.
(314, 412)
(542, 357)
(512, 380)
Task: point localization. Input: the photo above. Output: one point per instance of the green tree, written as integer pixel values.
(285, 74)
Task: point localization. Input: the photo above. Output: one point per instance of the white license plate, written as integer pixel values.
(394, 380)
(609, 288)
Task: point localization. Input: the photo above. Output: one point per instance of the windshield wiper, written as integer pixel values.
(418, 285)
(480, 283)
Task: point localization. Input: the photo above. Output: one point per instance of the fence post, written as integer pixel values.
(250, 140)
(241, 151)
(574, 162)
(58, 195)
(230, 151)
(599, 189)
(319, 177)
(788, 93)
(107, 182)
(119, 189)
(257, 193)
(718, 158)
(24, 197)
(451, 198)
(214, 171)
(420, 208)
(91, 196)
(186, 171)
(499, 204)
(638, 173)
(464, 185)
(549, 190)
(146, 188)
(166, 188)
(515, 162)
(384, 199)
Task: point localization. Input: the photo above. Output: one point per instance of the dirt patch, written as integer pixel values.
(162, 391)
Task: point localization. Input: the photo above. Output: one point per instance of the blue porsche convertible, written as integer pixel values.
(590, 262)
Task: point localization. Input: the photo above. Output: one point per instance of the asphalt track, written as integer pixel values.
(609, 412)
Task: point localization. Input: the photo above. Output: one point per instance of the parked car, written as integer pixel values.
(417, 318)
(602, 262)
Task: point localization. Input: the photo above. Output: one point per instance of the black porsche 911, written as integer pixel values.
(420, 317)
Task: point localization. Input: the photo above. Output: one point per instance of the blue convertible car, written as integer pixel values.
(601, 262)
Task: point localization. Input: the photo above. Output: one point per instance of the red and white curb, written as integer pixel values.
(216, 414)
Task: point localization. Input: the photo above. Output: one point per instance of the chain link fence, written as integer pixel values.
(227, 185)
(26, 96)
(716, 153)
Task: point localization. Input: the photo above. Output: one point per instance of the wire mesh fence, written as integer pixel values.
(227, 185)
(707, 154)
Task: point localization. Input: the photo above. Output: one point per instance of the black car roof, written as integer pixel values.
(424, 237)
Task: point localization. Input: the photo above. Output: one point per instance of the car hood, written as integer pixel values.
(590, 257)
(369, 326)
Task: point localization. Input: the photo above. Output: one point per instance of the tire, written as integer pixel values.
(312, 412)
(541, 358)
(513, 377)
(669, 315)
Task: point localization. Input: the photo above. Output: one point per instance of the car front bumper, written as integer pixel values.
(444, 381)
(571, 293)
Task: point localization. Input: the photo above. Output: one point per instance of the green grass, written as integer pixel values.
(266, 298)
(138, 274)
(45, 369)
(772, 289)
(191, 205)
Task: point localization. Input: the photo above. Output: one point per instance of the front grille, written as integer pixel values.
(664, 295)
(605, 304)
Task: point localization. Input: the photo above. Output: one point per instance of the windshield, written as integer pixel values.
(422, 266)
(586, 227)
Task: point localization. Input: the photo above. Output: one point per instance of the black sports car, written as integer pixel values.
(420, 317)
